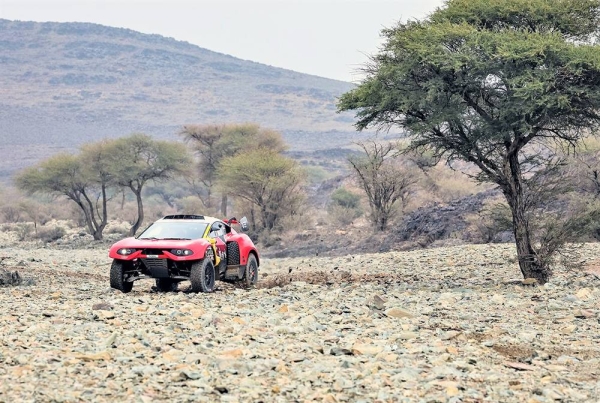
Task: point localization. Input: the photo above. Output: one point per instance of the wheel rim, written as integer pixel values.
(253, 273)
(208, 275)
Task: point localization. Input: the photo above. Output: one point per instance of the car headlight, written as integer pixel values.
(182, 252)
(125, 251)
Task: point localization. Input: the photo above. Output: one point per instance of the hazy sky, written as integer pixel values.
(329, 38)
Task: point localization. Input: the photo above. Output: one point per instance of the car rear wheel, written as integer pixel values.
(251, 272)
(117, 277)
(166, 285)
(202, 276)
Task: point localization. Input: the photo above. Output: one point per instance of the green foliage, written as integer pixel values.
(344, 207)
(60, 174)
(138, 158)
(343, 197)
(267, 180)
(93, 176)
(74, 177)
(213, 143)
(490, 82)
(572, 18)
(315, 175)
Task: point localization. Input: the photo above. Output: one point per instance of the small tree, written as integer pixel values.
(138, 159)
(267, 180)
(490, 82)
(384, 181)
(65, 174)
(213, 143)
(344, 207)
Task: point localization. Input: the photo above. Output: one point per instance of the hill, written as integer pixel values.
(63, 84)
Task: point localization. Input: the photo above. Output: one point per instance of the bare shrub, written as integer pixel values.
(24, 231)
(50, 234)
(344, 216)
(194, 205)
(117, 228)
(449, 184)
(11, 214)
(386, 180)
(494, 219)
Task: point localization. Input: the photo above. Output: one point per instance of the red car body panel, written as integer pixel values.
(246, 246)
(185, 247)
(197, 246)
(163, 248)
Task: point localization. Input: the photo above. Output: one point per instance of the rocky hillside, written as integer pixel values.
(67, 83)
(443, 325)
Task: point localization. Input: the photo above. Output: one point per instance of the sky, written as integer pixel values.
(328, 38)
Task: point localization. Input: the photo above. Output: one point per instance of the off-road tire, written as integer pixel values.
(202, 276)
(166, 285)
(117, 281)
(251, 273)
(233, 254)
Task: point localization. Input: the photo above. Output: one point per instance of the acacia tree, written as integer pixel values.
(138, 159)
(67, 175)
(484, 81)
(213, 143)
(382, 178)
(266, 179)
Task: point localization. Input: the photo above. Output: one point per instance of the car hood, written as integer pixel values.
(159, 243)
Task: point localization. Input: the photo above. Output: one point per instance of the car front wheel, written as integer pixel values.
(117, 277)
(202, 276)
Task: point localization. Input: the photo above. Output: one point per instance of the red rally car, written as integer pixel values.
(185, 247)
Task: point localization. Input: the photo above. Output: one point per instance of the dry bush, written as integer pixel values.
(123, 212)
(344, 207)
(193, 205)
(11, 214)
(24, 231)
(50, 234)
(119, 228)
(296, 227)
(154, 208)
(443, 183)
(342, 216)
(493, 223)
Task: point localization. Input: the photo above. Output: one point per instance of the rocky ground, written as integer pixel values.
(448, 324)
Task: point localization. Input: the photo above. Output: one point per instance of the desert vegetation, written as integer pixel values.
(477, 156)
(474, 83)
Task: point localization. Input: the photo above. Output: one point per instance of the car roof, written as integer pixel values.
(190, 218)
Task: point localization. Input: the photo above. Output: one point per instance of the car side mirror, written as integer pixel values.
(244, 224)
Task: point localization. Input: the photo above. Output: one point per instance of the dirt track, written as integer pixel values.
(448, 324)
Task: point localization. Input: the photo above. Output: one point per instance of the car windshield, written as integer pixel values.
(174, 230)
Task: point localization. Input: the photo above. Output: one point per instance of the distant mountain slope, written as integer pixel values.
(62, 84)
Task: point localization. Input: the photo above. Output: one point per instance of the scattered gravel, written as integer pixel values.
(449, 324)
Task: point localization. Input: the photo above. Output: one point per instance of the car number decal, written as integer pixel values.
(152, 256)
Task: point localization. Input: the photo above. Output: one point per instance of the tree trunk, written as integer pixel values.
(529, 263)
(97, 235)
(88, 220)
(224, 206)
(208, 197)
(140, 212)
